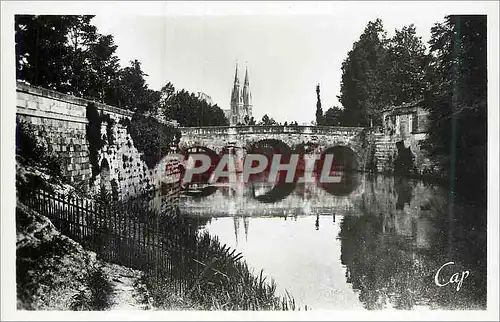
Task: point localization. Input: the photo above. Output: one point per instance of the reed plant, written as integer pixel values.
(216, 277)
(200, 271)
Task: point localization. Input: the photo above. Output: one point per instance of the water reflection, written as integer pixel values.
(301, 259)
(392, 259)
(378, 247)
(262, 198)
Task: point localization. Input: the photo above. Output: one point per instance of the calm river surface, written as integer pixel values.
(369, 242)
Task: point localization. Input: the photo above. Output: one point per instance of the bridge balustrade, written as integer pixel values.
(269, 129)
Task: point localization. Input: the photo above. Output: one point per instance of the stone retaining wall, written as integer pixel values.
(60, 121)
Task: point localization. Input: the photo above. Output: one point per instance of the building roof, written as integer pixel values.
(403, 108)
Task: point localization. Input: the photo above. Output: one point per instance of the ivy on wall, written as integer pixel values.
(152, 138)
(114, 190)
(96, 143)
(109, 128)
(124, 121)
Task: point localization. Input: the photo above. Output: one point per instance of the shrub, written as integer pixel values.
(152, 138)
(31, 151)
(114, 190)
(124, 121)
(96, 296)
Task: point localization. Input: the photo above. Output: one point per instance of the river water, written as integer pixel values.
(368, 242)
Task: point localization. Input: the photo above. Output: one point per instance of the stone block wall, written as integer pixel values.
(385, 152)
(59, 121)
(60, 125)
(127, 170)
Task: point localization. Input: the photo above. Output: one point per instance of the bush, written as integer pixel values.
(96, 296)
(152, 138)
(31, 150)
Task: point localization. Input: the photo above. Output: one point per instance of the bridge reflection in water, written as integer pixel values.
(263, 198)
(376, 245)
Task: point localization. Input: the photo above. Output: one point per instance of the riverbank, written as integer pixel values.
(53, 272)
(56, 273)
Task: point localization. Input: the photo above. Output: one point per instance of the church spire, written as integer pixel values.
(236, 221)
(236, 97)
(241, 100)
(247, 95)
(246, 223)
(236, 78)
(247, 82)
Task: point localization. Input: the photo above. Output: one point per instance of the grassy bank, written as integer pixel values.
(52, 271)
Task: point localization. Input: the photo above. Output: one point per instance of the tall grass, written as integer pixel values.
(227, 283)
(202, 272)
(214, 276)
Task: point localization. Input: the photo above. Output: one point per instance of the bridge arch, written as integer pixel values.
(344, 157)
(277, 145)
(105, 175)
(198, 149)
(269, 147)
(278, 192)
(345, 164)
(349, 182)
(214, 160)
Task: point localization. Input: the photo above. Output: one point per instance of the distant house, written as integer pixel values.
(405, 120)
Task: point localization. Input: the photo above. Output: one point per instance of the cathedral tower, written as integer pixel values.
(236, 99)
(241, 100)
(247, 97)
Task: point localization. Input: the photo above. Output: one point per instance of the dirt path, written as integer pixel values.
(129, 293)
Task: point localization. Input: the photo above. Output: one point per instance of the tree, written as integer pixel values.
(187, 109)
(81, 37)
(104, 69)
(132, 89)
(266, 120)
(364, 72)
(333, 116)
(166, 94)
(407, 63)
(217, 116)
(319, 110)
(457, 103)
(41, 51)
(67, 54)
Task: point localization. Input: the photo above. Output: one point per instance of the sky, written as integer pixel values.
(287, 55)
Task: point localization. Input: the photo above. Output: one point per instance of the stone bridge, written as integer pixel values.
(351, 144)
